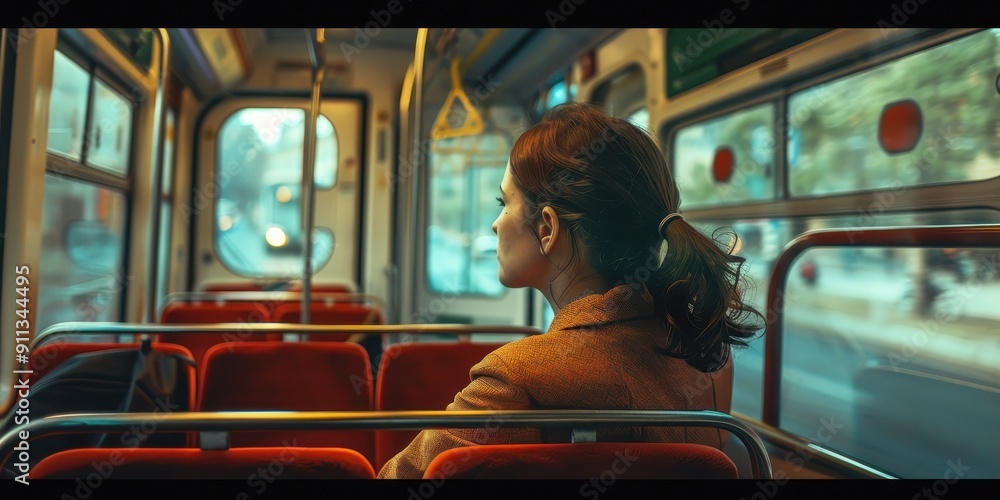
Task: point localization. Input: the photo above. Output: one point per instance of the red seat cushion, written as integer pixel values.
(583, 461)
(191, 463)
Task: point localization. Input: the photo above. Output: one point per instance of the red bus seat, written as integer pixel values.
(52, 354)
(191, 463)
(421, 376)
(583, 461)
(213, 312)
(290, 376)
(332, 313)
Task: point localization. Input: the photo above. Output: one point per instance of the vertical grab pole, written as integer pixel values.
(413, 218)
(160, 111)
(396, 280)
(317, 55)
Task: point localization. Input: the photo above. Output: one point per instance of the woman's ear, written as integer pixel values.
(548, 230)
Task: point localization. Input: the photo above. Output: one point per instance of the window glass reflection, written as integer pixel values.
(67, 107)
(83, 241)
(258, 210)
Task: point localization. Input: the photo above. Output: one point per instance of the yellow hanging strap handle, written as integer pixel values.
(472, 124)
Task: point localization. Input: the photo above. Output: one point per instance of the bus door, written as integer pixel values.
(247, 199)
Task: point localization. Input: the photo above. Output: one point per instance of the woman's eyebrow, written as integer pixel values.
(501, 190)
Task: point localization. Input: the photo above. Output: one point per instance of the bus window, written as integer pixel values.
(325, 176)
(461, 245)
(83, 222)
(259, 205)
(624, 94)
(558, 94)
(110, 131)
(83, 241)
(761, 242)
(833, 138)
(639, 118)
(68, 107)
(555, 95)
(547, 315)
(895, 346)
(748, 136)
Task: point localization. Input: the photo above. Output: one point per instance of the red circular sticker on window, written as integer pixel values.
(722, 164)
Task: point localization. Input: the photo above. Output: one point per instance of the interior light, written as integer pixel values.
(276, 237)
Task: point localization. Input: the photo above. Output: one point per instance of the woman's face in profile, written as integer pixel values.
(518, 252)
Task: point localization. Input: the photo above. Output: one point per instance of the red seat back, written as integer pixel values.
(191, 463)
(330, 313)
(583, 461)
(290, 376)
(421, 376)
(52, 354)
(214, 312)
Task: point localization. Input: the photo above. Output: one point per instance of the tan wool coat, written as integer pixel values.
(599, 353)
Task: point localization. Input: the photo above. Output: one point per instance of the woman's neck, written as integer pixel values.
(564, 289)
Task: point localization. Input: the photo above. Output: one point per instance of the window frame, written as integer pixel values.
(66, 168)
(779, 91)
(604, 88)
(60, 165)
(304, 107)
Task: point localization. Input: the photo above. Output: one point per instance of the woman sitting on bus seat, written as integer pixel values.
(588, 203)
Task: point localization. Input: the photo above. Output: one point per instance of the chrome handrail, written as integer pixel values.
(958, 236)
(94, 328)
(392, 420)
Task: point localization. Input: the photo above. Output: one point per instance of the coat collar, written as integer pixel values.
(621, 303)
